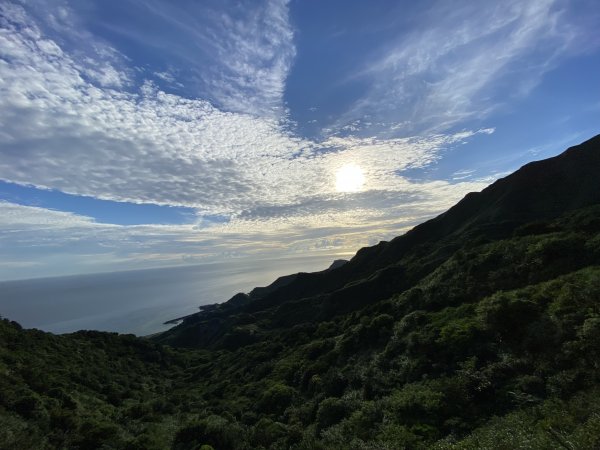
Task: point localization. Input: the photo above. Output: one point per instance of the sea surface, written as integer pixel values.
(139, 301)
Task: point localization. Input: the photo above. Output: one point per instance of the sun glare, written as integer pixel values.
(349, 178)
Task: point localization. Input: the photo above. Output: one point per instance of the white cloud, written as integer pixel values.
(66, 128)
(468, 59)
(257, 55)
(236, 54)
(64, 132)
(44, 242)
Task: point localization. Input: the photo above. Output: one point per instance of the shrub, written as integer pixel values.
(276, 399)
(214, 431)
(331, 411)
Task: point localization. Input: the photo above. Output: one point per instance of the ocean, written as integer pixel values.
(138, 301)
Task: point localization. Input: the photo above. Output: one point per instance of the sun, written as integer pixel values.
(349, 178)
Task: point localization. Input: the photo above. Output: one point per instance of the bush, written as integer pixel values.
(214, 431)
(276, 399)
(331, 411)
(267, 432)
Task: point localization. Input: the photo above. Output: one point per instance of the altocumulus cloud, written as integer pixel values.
(84, 126)
(61, 130)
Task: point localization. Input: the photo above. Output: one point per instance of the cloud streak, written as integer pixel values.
(457, 66)
(235, 54)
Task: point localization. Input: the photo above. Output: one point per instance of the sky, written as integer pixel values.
(144, 133)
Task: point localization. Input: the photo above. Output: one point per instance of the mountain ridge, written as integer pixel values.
(493, 213)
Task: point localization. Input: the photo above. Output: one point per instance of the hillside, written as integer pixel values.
(477, 329)
(535, 194)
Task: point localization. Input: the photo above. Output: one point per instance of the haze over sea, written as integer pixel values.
(139, 301)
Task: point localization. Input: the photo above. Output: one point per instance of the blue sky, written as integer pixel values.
(137, 134)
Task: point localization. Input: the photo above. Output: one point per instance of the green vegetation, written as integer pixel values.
(458, 335)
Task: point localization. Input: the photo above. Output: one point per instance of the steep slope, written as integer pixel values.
(537, 192)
